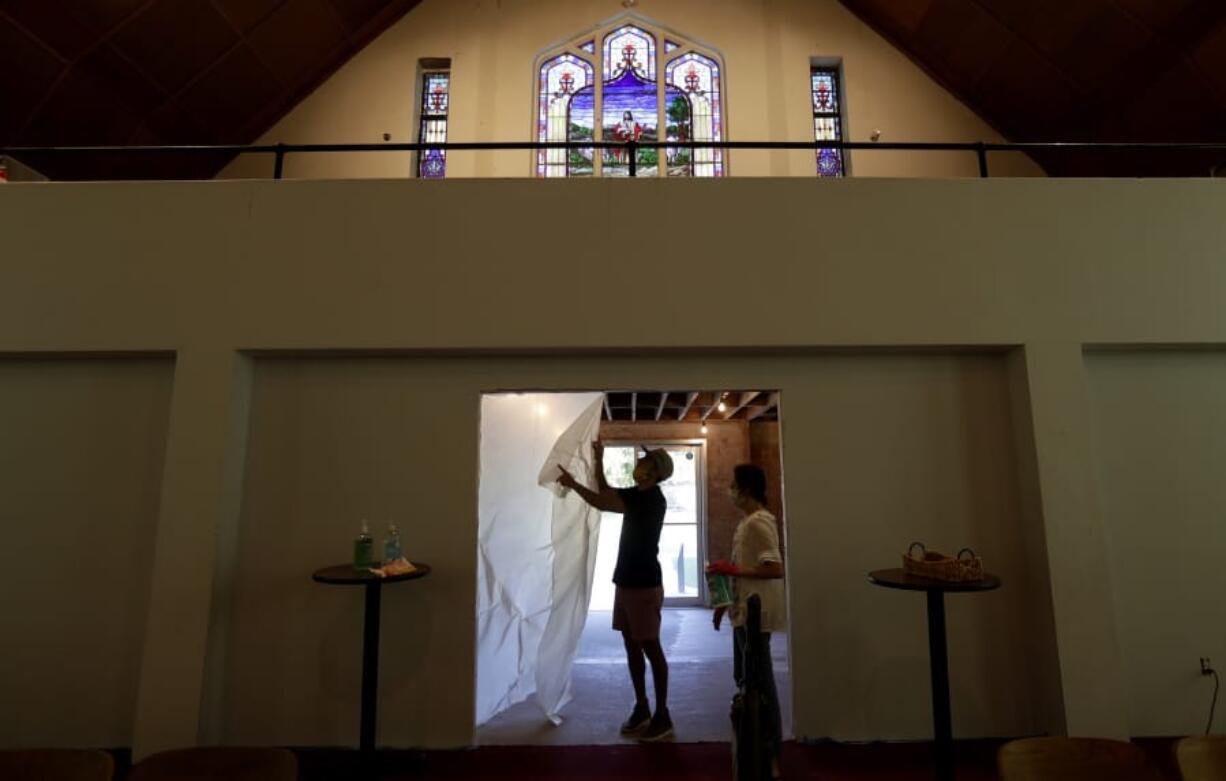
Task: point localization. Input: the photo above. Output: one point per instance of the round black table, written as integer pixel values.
(347, 575)
(938, 657)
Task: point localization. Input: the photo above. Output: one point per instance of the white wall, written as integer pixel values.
(1160, 426)
(80, 474)
(493, 45)
(328, 447)
(881, 451)
(1035, 268)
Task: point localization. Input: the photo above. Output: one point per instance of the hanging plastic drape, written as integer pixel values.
(536, 548)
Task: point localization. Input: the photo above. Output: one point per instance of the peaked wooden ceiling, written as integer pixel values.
(163, 72)
(1076, 70)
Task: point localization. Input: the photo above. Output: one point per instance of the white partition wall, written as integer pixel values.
(81, 446)
(900, 449)
(1160, 436)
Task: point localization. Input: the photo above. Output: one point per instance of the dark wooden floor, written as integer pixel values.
(827, 761)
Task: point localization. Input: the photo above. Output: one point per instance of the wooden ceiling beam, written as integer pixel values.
(690, 398)
(715, 401)
(746, 397)
(757, 412)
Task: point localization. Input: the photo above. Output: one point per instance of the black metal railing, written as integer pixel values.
(279, 152)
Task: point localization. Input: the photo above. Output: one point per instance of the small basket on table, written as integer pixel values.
(966, 566)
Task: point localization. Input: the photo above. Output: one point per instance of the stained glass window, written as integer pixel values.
(435, 100)
(634, 106)
(827, 119)
(630, 49)
(566, 113)
(630, 105)
(694, 109)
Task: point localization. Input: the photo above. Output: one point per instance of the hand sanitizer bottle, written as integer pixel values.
(391, 545)
(363, 548)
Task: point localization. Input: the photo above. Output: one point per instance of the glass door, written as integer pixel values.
(683, 538)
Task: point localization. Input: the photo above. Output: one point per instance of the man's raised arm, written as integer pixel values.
(605, 497)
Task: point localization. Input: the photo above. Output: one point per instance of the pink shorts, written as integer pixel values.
(636, 612)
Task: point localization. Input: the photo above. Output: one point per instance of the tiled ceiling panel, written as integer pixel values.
(201, 34)
(1076, 70)
(297, 39)
(28, 73)
(167, 72)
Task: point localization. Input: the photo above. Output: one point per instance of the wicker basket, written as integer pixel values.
(930, 564)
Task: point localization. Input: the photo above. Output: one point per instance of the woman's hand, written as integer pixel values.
(718, 618)
(723, 568)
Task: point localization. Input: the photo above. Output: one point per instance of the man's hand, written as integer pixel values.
(718, 618)
(598, 450)
(567, 480)
(604, 498)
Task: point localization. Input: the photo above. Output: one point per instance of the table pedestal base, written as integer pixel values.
(370, 677)
(938, 660)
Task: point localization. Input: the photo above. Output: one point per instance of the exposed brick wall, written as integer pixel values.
(727, 446)
(764, 451)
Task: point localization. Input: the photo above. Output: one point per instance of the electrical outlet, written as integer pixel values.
(1205, 667)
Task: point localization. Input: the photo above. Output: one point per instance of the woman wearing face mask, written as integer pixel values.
(757, 569)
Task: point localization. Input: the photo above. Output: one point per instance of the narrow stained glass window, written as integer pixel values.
(827, 119)
(566, 112)
(630, 109)
(435, 101)
(670, 46)
(589, 47)
(693, 105)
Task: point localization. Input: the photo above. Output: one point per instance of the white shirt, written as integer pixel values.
(756, 542)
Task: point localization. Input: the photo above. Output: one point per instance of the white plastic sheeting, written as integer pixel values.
(536, 549)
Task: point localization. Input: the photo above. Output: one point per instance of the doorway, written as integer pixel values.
(706, 434)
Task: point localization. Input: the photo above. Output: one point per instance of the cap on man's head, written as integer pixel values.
(663, 463)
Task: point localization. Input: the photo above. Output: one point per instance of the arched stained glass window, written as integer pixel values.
(629, 48)
(694, 108)
(566, 112)
(629, 99)
(632, 103)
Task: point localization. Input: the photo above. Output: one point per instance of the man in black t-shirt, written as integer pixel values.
(640, 584)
